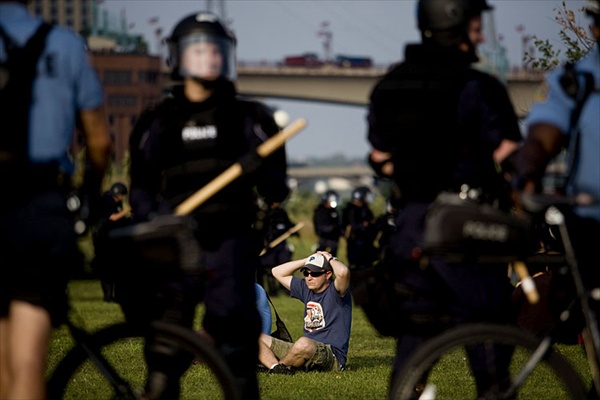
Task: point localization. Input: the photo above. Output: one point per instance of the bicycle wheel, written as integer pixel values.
(121, 349)
(442, 368)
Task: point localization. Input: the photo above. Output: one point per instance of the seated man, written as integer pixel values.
(327, 317)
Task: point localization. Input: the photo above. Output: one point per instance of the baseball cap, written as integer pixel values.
(316, 262)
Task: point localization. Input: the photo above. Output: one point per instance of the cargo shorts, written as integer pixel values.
(323, 360)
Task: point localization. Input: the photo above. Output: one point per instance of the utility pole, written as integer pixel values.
(525, 39)
(327, 36)
(220, 4)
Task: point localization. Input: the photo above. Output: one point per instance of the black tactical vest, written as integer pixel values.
(419, 111)
(189, 144)
(422, 106)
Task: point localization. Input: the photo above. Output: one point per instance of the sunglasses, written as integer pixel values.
(312, 273)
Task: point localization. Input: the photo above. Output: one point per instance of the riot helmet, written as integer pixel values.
(592, 8)
(118, 189)
(445, 22)
(202, 48)
(363, 194)
(331, 197)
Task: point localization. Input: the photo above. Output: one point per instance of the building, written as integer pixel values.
(75, 14)
(131, 83)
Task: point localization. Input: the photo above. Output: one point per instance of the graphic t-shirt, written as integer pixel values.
(327, 316)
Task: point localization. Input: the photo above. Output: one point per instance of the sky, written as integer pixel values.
(268, 30)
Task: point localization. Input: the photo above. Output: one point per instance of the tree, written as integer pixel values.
(575, 38)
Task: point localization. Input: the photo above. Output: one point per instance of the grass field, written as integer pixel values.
(369, 359)
(366, 377)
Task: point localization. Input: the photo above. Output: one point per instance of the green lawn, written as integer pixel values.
(366, 377)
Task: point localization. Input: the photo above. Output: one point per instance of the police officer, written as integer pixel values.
(359, 227)
(570, 111)
(327, 222)
(112, 215)
(183, 143)
(44, 97)
(277, 222)
(435, 124)
(385, 225)
(568, 107)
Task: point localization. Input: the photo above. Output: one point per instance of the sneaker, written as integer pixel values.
(261, 368)
(281, 369)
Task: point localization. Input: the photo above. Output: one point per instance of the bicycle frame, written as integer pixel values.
(551, 207)
(591, 333)
(84, 340)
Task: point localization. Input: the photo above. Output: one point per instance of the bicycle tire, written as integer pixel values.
(450, 377)
(76, 377)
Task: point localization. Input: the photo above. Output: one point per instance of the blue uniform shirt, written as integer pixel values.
(65, 72)
(556, 109)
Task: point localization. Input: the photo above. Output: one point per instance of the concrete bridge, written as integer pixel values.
(347, 85)
(335, 85)
(340, 178)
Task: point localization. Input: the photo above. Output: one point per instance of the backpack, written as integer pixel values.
(17, 74)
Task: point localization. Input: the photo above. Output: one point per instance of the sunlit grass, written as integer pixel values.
(366, 377)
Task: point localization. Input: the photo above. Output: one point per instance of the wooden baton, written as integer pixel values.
(527, 282)
(234, 171)
(282, 237)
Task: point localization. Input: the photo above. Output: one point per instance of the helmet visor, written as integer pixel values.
(206, 57)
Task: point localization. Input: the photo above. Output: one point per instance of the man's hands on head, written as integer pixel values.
(328, 256)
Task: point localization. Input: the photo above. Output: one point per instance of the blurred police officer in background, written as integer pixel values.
(276, 224)
(46, 86)
(435, 124)
(182, 144)
(327, 221)
(385, 225)
(113, 214)
(358, 222)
